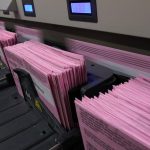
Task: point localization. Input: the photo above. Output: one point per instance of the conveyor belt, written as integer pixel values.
(21, 127)
(9, 98)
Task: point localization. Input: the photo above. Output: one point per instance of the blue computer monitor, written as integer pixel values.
(28, 8)
(81, 8)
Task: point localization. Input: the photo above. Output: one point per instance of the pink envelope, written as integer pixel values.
(6, 39)
(55, 70)
(116, 116)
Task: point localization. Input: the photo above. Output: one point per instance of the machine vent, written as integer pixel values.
(132, 60)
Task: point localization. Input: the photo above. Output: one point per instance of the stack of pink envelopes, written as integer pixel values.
(53, 71)
(119, 119)
(6, 39)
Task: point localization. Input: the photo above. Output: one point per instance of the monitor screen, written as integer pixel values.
(28, 8)
(81, 8)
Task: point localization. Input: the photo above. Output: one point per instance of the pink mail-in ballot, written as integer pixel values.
(117, 120)
(6, 39)
(53, 71)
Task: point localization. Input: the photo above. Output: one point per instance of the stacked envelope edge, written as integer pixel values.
(119, 119)
(6, 39)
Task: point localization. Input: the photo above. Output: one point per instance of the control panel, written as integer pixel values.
(82, 10)
(28, 7)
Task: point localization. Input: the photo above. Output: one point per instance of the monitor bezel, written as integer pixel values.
(80, 16)
(27, 13)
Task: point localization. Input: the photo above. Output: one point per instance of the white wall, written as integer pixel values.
(131, 17)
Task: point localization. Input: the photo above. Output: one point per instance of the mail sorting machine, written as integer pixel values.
(22, 123)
